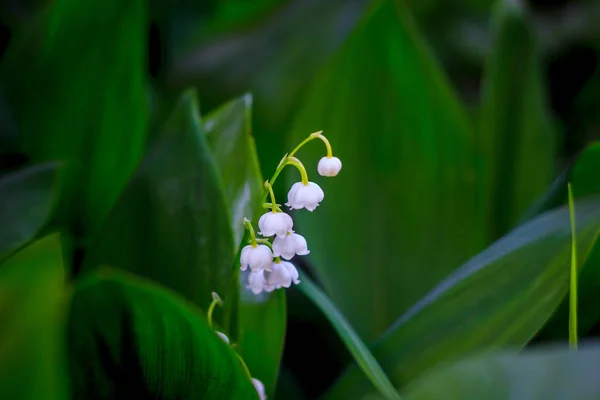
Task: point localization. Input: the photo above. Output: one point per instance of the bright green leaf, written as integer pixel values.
(32, 364)
(172, 224)
(26, 202)
(76, 83)
(401, 214)
(363, 357)
(548, 374)
(518, 146)
(130, 338)
(501, 297)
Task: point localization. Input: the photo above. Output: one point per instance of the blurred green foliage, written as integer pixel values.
(136, 135)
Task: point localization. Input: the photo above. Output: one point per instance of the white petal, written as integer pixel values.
(244, 257)
(329, 166)
(283, 247)
(260, 389)
(256, 281)
(223, 336)
(299, 244)
(292, 270)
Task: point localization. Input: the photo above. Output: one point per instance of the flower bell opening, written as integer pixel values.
(263, 255)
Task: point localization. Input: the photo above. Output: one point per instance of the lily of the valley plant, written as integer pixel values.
(279, 241)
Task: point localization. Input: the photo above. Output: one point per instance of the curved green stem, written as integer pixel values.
(248, 226)
(244, 366)
(285, 159)
(209, 314)
(272, 194)
(302, 143)
(265, 242)
(327, 145)
(298, 164)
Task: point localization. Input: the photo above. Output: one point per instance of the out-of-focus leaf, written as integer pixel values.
(548, 374)
(129, 338)
(258, 322)
(262, 323)
(32, 364)
(401, 214)
(77, 89)
(518, 146)
(273, 60)
(27, 198)
(172, 223)
(501, 297)
(228, 132)
(363, 357)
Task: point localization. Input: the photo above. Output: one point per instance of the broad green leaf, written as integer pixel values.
(401, 214)
(262, 324)
(518, 146)
(130, 338)
(228, 132)
(76, 83)
(27, 199)
(172, 224)
(501, 297)
(32, 299)
(544, 374)
(363, 357)
(258, 322)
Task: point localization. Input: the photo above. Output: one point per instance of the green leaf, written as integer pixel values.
(501, 297)
(261, 320)
(407, 184)
(172, 224)
(517, 143)
(26, 202)
(228, 132)
(76, 83)
(363, 357)
(130, 338)
(262, 323)
(554, 373)
(32, 296)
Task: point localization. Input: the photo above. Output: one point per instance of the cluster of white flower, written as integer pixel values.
(264, 258)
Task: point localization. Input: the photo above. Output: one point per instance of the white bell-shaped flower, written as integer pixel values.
(222, 336)
(275, 223)
(279, 275)
(329, 166)
(260, 389)
(305, 196)
(289, 245)
(257, 257)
